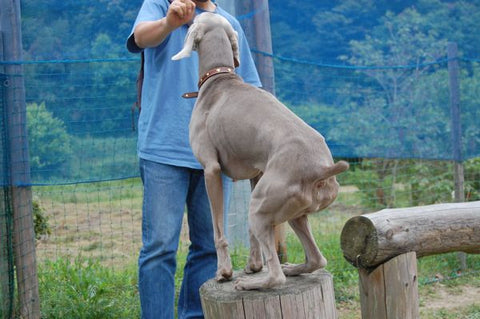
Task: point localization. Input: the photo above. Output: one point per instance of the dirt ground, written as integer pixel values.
(444, 297)
(433, 298)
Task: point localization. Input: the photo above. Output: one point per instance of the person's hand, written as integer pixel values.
(180, 12)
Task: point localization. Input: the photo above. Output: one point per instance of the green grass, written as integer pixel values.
(92, 288)
(108, 191)
(83, 288)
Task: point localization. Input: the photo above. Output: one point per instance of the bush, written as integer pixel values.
(40, 221)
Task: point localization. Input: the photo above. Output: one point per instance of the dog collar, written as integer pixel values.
(206, 76)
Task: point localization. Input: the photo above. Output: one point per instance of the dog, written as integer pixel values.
(246, 133)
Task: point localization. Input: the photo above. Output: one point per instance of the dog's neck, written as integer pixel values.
(215, 56)
(214, 50)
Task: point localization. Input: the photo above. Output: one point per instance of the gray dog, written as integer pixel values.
(248, 134)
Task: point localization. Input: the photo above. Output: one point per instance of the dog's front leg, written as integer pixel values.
(213, 182)
(313, 257)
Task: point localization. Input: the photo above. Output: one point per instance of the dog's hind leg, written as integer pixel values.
(263, 230)
(255, 261)
(213, 182)
(313, 257)
(262, 219)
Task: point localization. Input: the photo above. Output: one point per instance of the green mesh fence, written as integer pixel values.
(6, 250)
(372, 77)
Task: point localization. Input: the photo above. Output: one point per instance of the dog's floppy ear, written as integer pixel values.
(233, 37)
(194, 34)
(236, 52)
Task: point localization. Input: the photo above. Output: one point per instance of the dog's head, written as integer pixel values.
(202, 24)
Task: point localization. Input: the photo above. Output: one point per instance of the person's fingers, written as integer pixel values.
(177, 8)
(189, 9)
(184, 9)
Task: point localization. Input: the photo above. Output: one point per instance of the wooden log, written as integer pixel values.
(301, 297)
(391, 290)
(371, 239)
(18, 160)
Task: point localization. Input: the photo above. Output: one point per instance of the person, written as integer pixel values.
(172, 178)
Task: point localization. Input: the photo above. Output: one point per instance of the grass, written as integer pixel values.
(101, 224)
(83, 288)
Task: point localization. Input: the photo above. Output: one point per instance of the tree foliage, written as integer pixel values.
(403, 109)
(48, 140)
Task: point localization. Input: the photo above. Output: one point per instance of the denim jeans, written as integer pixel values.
(167, 189)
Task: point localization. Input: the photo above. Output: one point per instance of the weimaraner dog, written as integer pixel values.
(247, 133)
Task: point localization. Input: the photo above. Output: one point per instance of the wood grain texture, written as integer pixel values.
(370, 240)
(391, 290)
(308, 296)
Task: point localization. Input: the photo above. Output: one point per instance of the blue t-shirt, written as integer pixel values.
(165, 116)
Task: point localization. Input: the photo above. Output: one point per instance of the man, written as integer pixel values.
(171, 176)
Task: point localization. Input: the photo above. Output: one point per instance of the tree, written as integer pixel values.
(49, 142)
(396, 113)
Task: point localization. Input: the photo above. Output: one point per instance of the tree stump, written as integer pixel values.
(301, 297)
(391, 289)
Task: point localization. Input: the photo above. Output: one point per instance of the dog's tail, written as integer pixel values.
(335, 169)
(325, 189)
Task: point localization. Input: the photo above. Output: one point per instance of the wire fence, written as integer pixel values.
(393, 122)
(84, 176)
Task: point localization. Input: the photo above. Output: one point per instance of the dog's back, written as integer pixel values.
(270, 133)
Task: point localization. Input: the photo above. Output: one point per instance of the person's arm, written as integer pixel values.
(151, 33)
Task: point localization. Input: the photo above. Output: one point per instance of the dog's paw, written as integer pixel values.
(252, 268)
(249, 283)
(224, 275)
(295, 270)
(245, 284)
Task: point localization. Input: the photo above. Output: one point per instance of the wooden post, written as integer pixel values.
(384, 246)
(454, 85)
(7, 281)
(258, 33)
(391, 289)
(301, 297)
(17, 146)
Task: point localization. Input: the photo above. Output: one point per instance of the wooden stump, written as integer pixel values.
(304, 296)
(391, 289)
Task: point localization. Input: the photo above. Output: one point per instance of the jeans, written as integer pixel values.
(167, 189)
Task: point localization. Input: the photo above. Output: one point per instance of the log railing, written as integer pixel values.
(384, 246)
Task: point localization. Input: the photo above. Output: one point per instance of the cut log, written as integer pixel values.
(372, 239)
(391, 290)
(305, 296)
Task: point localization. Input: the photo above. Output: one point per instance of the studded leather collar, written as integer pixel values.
(206, 76)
